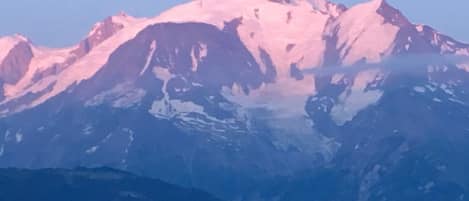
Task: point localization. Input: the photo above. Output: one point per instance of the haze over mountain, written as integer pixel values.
(226, 97)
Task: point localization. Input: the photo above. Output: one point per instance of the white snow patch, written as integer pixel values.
(357, 146)
(463, 67)
(19, 137)
(149, 57)
(132, 98)
(357, 97)
(447, 89)
(463, 52)
(277, 97)
(7, 136)
(419, 89)
(336, 78)
(123, 95)
(195, 61)
(40, 129)
(167, 108)
(431, 87)
(107, 138)
(457, 101)
(92, 149)
(162, 74)
(428, 187)
(88, 130)
(419, 27)
(2, 150)
(351, 104)
(131, 138)
(407, 46)
(203, 52)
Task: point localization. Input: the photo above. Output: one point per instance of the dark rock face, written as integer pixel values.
(89, 184)
(53, 70)
(2, 93)
(227, 61)
(295, 72)
(16, 63)
(392, 15)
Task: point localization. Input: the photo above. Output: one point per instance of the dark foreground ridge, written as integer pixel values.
(85, 184)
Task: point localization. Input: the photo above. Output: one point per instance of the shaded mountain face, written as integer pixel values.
(15, 57)
(89, 184)
(340, 99)
(16, 63)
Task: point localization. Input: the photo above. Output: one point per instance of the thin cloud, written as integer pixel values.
(410, 63)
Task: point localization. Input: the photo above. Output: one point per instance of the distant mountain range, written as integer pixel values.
(249, 100)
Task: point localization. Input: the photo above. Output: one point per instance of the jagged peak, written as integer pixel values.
(9, 42)
(16, 38)
(378, 3)
(118, 21)
(376, 6)
(122, 14)
(123, 18)
(380, 7)
(371, 6)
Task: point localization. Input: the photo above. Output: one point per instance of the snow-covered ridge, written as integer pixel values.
(291, 32)
(363, 32)
(54, 70)
(106, 28)
(9, 42)
(445, 44)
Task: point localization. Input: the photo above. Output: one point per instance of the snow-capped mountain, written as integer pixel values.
(247, 90)
(46, 72)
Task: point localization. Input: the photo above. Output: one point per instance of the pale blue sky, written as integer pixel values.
(64, 22)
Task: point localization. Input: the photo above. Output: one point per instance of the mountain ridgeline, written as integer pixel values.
(89, 184)
(230, 99)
